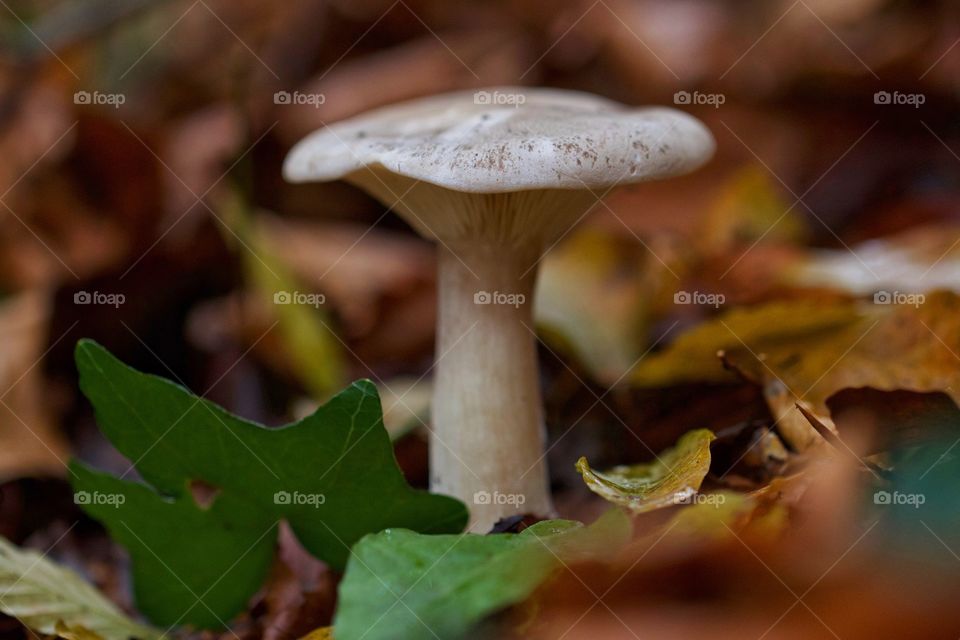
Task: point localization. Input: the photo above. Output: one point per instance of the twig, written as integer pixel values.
(838, 444)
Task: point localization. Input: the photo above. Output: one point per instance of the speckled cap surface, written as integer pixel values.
(507, 139)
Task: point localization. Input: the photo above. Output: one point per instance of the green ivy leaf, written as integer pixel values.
(673, 478)
(332, 476)
(402, 585)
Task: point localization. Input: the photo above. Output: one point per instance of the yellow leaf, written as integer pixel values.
(312, 348)
(592, 301)
(889, 347)
(673, 478)
(75, 632)
(43, 595)
(693, 356)
(750, 208)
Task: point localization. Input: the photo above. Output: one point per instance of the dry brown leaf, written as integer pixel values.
(355, 267)
(29, 444)
(890, 347)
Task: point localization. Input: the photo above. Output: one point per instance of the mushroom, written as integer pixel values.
(495, 177)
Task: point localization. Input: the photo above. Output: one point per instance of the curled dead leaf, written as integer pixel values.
(673, 478)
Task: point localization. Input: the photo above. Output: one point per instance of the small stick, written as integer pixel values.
(838, 444)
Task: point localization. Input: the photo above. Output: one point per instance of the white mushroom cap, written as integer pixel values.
(495, 176)
(506, 139)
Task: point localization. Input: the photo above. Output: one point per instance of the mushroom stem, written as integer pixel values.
(487, 441)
